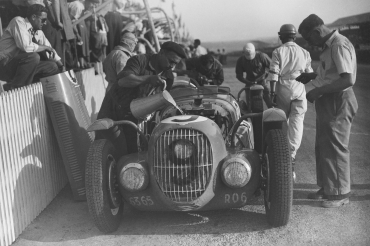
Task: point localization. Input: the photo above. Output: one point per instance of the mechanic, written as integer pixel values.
(141, 74)
(204, 69)
(255, 64)
(198, 49)
(116, 60)
(335, 105)
(288, 62)
(25, 53)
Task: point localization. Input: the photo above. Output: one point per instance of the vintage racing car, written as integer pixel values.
(205, 159)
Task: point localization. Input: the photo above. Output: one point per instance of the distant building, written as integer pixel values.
(356, 28)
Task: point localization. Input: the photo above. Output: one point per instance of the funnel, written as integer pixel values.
(141, 107)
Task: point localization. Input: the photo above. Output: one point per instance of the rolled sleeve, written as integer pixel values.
(274, 67)
(343, 59)
(44, 41)
(132, 67)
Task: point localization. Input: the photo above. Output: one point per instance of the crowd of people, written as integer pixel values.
(29, 49)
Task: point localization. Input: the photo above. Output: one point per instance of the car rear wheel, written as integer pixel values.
(277, 174)
(103, 198)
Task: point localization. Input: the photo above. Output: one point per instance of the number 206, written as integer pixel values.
(235, 197)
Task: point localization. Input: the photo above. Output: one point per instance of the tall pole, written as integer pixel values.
(151, 24)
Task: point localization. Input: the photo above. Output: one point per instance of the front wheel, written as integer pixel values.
(277, 174)
(103, 198)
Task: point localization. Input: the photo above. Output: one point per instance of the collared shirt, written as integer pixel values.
(216, 73)
(337, 57)
(17, 38)
(115, 62)
(200, 50)
(288, 62)
(254, 68)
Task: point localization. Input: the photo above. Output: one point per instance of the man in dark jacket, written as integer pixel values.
(141, 74)
(204, 69)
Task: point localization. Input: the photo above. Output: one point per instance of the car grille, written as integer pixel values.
(183, 180)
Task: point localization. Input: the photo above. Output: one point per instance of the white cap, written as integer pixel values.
(249, 51)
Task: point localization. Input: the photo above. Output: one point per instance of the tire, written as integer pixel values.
(277, 172)
(105, 204)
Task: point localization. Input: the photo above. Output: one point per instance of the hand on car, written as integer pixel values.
(304, 78)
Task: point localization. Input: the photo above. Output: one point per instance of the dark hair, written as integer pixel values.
(205, 59)
(35, 9)
(196, 41)
(310, 23)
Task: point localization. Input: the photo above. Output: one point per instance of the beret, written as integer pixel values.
(175, 47)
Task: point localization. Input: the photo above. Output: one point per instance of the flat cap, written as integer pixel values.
(175, 47)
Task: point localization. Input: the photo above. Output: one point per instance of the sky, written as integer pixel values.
(228, 20)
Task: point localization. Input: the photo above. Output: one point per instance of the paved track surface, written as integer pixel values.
(66, 222)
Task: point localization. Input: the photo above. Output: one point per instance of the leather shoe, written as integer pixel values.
(319, 195)
(334, 203)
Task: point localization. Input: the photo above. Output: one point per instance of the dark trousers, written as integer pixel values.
(334, 115)
(25, 68)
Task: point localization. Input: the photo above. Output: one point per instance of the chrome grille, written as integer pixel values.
(183, 179)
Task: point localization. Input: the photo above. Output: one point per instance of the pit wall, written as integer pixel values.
(31, 167)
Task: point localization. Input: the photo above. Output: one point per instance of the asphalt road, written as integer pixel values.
(66, 222)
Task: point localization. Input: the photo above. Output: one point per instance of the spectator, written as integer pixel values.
(141, 74)
(288, 61)
(255, 64)
(204, 69)
(335, 105)
(52, 29)
(117, 58)
(98, 29)
(20, 61)
(198, 49)
(81, 44)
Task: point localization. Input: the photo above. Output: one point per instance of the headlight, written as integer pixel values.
(236, 172)
(183, 149)
(134, 177)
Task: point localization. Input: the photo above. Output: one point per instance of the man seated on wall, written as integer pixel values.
(204, 69)
(25, 53)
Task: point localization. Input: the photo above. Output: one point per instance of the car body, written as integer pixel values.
(193, 162)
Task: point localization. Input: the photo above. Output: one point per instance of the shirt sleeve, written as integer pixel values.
(274, 67)
(219, 76)
(342, 58)
(308, 68)
(266, 61)
(120, 63)
(132, 67)
(22, 37)
(44, 41)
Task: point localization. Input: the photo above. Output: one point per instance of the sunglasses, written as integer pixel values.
(42, 20)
